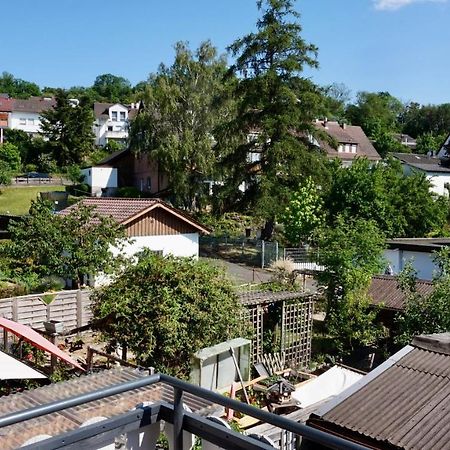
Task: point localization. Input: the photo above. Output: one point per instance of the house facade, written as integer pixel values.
(111, 122)
(140, 171)
(419, 252)
(150, 224)
(25, 114)
(352, 142)
(431, 166)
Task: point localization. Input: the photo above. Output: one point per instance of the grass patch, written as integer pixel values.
(16, 200)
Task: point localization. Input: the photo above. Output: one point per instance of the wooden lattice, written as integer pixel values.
(296, 331)
(254, 315)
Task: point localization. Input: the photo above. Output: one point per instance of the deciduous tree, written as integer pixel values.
(351, 252)
(70, 246)
(304, 213)
(165, 309)
(177, 123)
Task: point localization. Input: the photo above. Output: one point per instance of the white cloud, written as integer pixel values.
(391, 5)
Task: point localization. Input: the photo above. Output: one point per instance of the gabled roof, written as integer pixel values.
(32, 104)
(421, 162)
(402, 404)
(126, 210)
(384, 290)
(347, 134)
(101, 109)
(113, 157)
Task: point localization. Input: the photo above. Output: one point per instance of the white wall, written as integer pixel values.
(183, 245)
(25, 121)
(177, 245)
(422, 262)
(100, 178)
(108, 129)
(438, 181)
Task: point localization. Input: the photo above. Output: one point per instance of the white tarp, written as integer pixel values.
(12, 369)
(329, 384)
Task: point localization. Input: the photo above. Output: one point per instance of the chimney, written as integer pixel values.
(325, 123)
(344, 126)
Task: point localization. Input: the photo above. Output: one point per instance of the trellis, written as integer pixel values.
(295, 323)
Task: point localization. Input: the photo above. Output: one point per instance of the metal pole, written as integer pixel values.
(262, 254)
(178, 413)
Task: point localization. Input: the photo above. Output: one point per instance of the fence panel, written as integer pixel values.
(305, 260)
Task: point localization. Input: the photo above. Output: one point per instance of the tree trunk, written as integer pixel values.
(267, 231)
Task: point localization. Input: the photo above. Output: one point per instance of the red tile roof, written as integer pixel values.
(33, 104)
(348, 134)
(123, 210)
(6, 104)
(385, 290)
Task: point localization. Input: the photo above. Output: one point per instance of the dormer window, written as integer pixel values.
(122, 116)
(114, 116)
(347, 148)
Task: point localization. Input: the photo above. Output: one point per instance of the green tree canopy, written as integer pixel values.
(68, 127)
(401, 205)
(303, 214)
(266, 148)
(351, 252)
(177, 123)
(166, 309)
(10, 156)
(419, 119)
(17, 88)
(70, 246)
(112, 88)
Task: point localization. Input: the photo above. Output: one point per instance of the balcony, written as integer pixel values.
(140, 428)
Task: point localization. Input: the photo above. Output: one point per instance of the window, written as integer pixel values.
(114, 116)
(30, 121)
(110, 128)
(22, 121)
(122, 116)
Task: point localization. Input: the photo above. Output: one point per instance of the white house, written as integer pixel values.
(25, 115)
(437, 173)
(420, 252)
(150, 224)
(102, 180)
(111, 122)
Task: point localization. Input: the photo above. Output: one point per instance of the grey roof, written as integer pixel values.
(405, 404)
(347, 134)
(261, 297)
(384, 290)
(419, 244)
(421, 162)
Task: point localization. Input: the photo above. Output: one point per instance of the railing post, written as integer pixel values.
(178, 414)
(262, 253)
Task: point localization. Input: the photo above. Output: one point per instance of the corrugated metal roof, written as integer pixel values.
(407, 405)
(384, 289)
(53, 424)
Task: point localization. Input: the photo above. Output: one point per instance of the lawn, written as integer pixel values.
(17, 200)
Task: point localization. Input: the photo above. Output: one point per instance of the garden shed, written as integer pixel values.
(282, 327)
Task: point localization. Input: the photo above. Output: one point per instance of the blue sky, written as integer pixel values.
(400, 46)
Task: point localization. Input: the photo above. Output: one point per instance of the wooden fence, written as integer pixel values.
(70, 307)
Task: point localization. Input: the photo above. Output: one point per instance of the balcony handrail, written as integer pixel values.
(179, 386)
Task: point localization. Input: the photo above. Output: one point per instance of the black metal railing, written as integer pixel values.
(175, 414)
